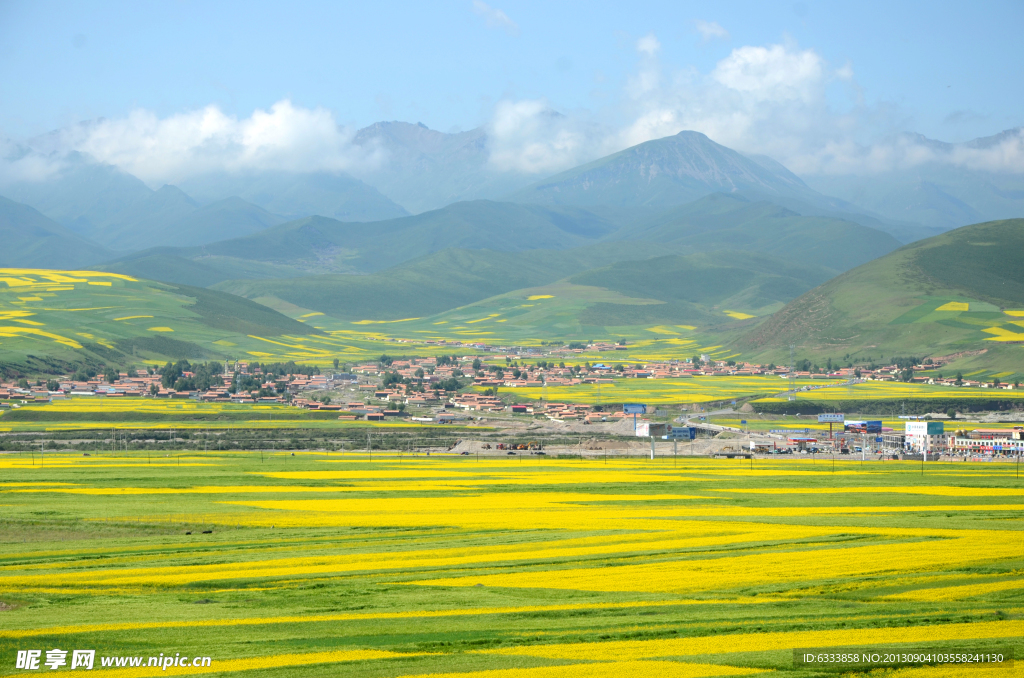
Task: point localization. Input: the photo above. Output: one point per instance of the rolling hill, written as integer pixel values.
(959, 291)
(319, 246)
(295, 195)
(322, 245)
(699, 289)
(422, 287)
(727, 222)
(50, 319)
(29, 239)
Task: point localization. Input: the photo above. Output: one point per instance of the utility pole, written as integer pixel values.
(792, 373)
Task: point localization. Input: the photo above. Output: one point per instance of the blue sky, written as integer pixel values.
(842, 73)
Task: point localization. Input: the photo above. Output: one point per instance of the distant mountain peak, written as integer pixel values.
(665, 172)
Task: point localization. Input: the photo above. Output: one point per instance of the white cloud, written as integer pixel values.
(772, 100)
(495, 18)
(773, 73)
(648, 45)
(709, 30)
(530, 137)
(158, 150)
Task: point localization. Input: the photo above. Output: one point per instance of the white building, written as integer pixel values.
(927, 436)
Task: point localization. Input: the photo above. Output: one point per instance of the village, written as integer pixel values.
(422, 381)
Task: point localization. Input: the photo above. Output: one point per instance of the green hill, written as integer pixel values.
(323, 245)
(31, 240)
(720, 222)
(959, 291)
(699, 289)
(171, 265)
(296, 195)
(318, 245)
(422, 287)
(50, 319)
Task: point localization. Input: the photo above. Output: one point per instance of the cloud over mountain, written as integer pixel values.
(780, 100)
(158, 150)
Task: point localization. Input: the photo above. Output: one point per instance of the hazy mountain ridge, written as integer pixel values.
(31, 240)
(938, 193)
(425, 169)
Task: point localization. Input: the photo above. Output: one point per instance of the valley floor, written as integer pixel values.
(506, 568)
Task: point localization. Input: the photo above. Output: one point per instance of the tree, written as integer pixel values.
(951, 413)
(153, 389)
(477, 365)
(622, 342)
(995, 382)
(419, 373)
(696, 362)
(450, 384)
(336, 363)
(385, 360)
(53, 385)
(112, 375)
(959, 379)
(856, 373)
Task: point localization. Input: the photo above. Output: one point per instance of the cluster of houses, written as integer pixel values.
(143, 384)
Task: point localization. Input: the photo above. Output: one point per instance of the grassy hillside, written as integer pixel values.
(959, 291)
(142, 223)
(174, 265)
(737, 281)
(224, 219)
(326, 245)
(295, 194)
(604, 234)
(54, 318)
(723, 222)
(419, 288)
(31, 239)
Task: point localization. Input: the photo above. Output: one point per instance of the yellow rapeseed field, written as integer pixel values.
(500, 568)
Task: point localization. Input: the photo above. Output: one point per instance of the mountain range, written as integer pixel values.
(687, 231)
(423, 170)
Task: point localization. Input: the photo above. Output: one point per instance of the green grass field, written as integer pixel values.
(320, 566)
